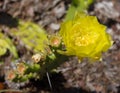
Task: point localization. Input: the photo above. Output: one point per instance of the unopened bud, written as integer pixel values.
(21, 68)
(55, 41)
(10, 75)
(36, 58)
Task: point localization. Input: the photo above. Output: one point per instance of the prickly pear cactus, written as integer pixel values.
(32, 36)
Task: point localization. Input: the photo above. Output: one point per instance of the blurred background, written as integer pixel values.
(73, 77)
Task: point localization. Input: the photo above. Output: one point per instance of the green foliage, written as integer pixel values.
(6, 43)
(42, 63)
(83, 4)
(34, 38)
(77, 5)
(31, 35)
(74, 39)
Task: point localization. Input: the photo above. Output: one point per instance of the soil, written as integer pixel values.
(72, 76)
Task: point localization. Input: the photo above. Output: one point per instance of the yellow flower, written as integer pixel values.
(84, 36)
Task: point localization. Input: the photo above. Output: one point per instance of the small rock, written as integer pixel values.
(54, 26)
(59, 11)
(107, 9)
(118, 26)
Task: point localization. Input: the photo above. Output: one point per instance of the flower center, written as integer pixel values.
(83, 37)
(82, 40)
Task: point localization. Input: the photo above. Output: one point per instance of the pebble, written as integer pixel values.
(107, 9)
(54, 26)
(59, 11)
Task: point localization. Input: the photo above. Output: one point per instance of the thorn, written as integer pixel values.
(49, 81)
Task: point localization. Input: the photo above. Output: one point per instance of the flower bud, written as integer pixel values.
(55, 41)
(21, 68)
(36, 58)
(10, 75)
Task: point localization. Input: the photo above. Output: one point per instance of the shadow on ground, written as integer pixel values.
(7, 20)
(57, 81)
